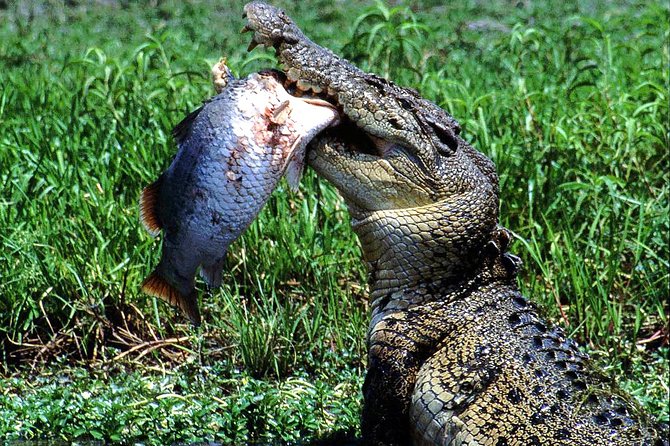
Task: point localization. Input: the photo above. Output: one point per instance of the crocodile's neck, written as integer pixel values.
(400, 257)
(440, 243)
(453, 282)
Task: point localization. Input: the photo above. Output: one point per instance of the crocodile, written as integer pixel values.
(456, 354)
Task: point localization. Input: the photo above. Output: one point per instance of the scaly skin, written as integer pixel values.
(456, 355)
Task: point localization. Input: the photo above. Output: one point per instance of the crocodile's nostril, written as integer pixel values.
(445, 136)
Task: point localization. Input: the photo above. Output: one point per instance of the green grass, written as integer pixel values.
(570, 101)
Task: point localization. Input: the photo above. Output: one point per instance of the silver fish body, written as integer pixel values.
(232, 153)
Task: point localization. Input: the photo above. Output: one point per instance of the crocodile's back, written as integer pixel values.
(503, 378)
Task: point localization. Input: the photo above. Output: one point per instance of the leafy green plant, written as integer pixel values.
(389, 39)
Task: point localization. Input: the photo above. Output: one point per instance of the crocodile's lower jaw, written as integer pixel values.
(367, 181)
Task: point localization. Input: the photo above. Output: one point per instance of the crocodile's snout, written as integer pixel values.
(270, 25)
(381, 123)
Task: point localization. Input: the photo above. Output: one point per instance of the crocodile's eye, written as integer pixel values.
(446, 137)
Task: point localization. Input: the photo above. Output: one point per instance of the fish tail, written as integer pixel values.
(149, 207)
(157, 285)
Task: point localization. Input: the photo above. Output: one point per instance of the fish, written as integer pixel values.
(232, 153)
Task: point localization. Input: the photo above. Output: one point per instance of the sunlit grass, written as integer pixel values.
(571, 105)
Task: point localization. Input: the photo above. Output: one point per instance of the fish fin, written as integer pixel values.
(149, 207)
(156, 285)
(183, 129)
(293, 174)
(295, 164)
(212, 273)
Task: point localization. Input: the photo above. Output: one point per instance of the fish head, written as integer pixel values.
(285, 118)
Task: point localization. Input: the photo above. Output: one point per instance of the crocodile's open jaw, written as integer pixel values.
(357, 139)
(387, 134)
(309, 81)
(346, 143)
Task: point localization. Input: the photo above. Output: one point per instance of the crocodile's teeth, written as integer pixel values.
(253, 44)
(331, 92)
(293, 74)
(316, 89)
(302, 85)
